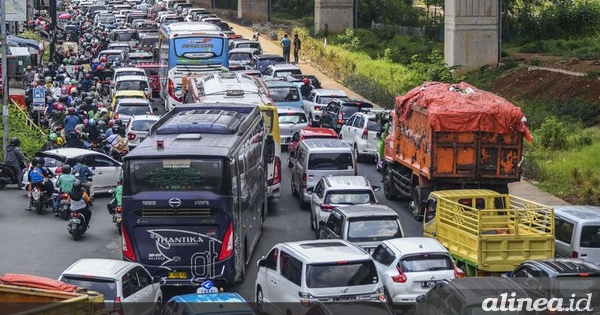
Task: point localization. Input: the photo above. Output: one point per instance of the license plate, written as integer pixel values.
(76, 221)
(428, 284)
(177, 275)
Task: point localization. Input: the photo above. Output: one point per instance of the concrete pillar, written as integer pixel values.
(471, 33)
(207, 4)
(253, 10)
(334, 16)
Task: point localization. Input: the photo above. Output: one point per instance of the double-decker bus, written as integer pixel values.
(188, 48)
(195, 194)
(240, 88)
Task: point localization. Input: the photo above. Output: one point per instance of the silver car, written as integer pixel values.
(317, 99)
(128, 288)
(291, 119)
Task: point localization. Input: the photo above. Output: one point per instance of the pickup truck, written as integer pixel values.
(34, 295)
(489, 233)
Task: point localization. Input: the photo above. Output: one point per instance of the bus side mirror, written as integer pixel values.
(270, 148)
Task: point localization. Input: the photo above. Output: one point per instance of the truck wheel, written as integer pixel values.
(388, 186)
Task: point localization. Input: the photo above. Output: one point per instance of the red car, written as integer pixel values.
(151, 69)
(307, 133)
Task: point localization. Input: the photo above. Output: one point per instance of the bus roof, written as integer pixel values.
(190, 27)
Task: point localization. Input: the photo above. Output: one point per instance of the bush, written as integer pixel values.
(370, 89)
(31, 139)
(553, 135)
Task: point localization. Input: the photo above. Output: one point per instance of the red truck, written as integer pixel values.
(451, 136)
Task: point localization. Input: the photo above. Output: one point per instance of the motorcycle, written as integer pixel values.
(117, 217)
(40, 200)
(77, 224)
(7, 176)
(64, 207)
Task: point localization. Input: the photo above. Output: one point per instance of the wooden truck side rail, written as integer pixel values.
(18, 300)
(495, 240)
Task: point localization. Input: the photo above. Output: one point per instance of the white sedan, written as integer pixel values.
(106, 169)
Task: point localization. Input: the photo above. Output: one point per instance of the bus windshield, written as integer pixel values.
(176, 174)
(189, 49)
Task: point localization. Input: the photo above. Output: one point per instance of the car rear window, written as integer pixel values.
(349, 197)
(141, 109)
(425, 262)
(108, 288)
(373, 229)
(373, 126)
(590, 236)
(284, 94)
(349, 109)
(142, 125)
(132, 85)
(294, 118)
(341, 274)
(330, 161)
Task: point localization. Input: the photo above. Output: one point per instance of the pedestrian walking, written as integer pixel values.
(297, 46)
(286, 43)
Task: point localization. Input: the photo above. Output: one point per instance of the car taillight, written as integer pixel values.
(365, 134)
(127, 247)
(131, 136)
(227, 245)
(326, 207)
(458, 274)
(172, 91)
(575, 255)
(304, 180)
(340, 119)
(117, 308)
(400, 278)
(276, 173)
(64, 196)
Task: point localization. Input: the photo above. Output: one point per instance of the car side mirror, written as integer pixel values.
(261, 262)
(376, 188)
(157, 279)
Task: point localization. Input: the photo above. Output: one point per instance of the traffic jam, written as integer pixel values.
(199, 137)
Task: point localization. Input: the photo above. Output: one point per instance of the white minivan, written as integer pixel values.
(296, 275)
(577, 232)
(316, 158)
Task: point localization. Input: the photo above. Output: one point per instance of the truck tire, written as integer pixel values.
(388, 185)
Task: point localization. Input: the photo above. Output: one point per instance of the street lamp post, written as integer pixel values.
(4, 79)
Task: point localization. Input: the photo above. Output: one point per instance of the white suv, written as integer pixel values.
(362, 132)
(305, 272)
(410, 266)
(121, 283)
(335, 191)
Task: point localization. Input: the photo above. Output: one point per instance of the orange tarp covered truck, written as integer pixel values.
(451, 136)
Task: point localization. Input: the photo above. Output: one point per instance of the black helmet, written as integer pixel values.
(15, 141)
(76, 184)
(66, 169)
(119, 122)
(38, 161)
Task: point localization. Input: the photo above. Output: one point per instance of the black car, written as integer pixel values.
(560, 278)
(337, 112)
(346, 308)
(299, 78)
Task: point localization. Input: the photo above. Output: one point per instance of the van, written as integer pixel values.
(577, 232)
(316, 158)
(304, 273)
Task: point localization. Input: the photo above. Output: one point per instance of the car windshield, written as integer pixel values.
(327, 99)
(248, 45)
(263, 63)
(590, 236)
(349, 197)
(141, 109)
(341, 274)
(108, 288)
(132, 85)
(373, 229)
(284, 94)
(419, 263)
(330, 161)
(142, 125)
(240, 56)
(285, 73)
(292, 118)
(106, 18)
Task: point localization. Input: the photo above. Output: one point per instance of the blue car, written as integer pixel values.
(222, 303)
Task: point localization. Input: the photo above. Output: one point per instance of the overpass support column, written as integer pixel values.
(471, 34)
(334, 16)
(253, 10)
(207, 4)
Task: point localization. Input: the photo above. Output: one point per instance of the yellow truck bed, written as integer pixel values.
(493, 239)
(19, 300)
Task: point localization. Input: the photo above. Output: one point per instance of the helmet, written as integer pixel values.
(103, 110)
(103, 59)
(111, 122)
(115, 128)
(60, 141)
(67, 81)
(306, 81)
(87, 76)
(48, 79)
(91, 122)
(38, 161)
(100, 104)
(14, 141)
(99, 68)
(86, 121)
(76, 184)
(58, 170)
(66, 169)
(60, 107)
(119, 122)
(71, 110)
(52, 137)
(74, 90)
(74, 82)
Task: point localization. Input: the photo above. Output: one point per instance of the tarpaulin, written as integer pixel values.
(463, 107)
(38, 282)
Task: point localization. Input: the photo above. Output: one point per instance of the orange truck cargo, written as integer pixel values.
(451, 136)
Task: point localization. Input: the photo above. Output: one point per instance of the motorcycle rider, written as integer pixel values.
(120, 144)
(15, 158)
(79, 201)
(305, 88)
(39, 177)
(64, 184)
(117, 198)
(84, 175)
(51, 143)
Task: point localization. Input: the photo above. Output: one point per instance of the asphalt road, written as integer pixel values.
(40, 244)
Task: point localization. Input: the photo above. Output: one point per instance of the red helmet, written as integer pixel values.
(99, 68)
(103, 59)
(100, 104)
(306, 81)
(87, 76)
(111, 122)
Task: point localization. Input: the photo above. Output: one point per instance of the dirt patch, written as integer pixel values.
(552, 78)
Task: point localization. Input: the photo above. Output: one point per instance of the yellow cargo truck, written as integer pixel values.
(26, 296)
(489, 233)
